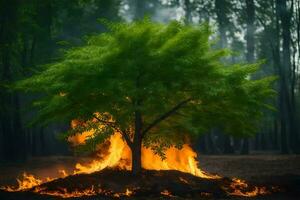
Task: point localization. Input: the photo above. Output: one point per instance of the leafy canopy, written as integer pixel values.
(158, 70)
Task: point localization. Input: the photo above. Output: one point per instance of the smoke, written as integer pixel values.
(160, 12)
(165, 14)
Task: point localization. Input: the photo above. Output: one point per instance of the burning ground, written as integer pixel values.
(178, 175)
(151, 184)
(261, 172)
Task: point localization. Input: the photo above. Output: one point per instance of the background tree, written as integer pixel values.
(250, 10)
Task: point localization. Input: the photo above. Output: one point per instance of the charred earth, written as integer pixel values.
(151, 184)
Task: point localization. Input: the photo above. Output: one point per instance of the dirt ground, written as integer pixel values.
(251, 167)
(281, 169)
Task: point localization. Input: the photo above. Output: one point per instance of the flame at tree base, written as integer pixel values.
(116, 154)
(119, 155)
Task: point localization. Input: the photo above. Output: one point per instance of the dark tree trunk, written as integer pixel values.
(221, 20)
(136, 149)
(283, 89)
(283, 125)
(34, 147)
(139, 9)
(212, 148)
(228, 149)
(250, 9)
(42, 142)
(263, 143)
(275, 135)
(20, 143)
(200, 145)
(245, 147)
(188, 11)
(6, 115)
(285, 17)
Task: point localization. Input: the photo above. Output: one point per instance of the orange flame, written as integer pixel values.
(28, 181)
(239, 187)
(119, 155)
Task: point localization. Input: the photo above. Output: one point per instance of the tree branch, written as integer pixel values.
(126, 137)
(114, 126)
(165, 115)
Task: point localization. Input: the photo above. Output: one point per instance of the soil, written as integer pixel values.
(259, 170)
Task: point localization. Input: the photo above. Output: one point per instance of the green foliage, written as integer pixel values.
(150, 68)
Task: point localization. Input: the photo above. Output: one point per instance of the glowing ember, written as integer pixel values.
(183, 180)
(64, 193)
(166, 193)
(128, 192)
(239, 187)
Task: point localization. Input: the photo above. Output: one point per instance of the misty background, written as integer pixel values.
(35, 32)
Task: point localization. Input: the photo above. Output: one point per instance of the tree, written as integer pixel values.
(222, 10)
(10, 122)
(250, 9)
(285, 14)
(152, 83)
(283, 70)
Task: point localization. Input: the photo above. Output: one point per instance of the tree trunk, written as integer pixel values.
(221, 20)
(285, 17)
(136, 152)
(250, 9)
(228, 149)
(18, 130)
(212, 148)
(245, 147)
(188, 11)
(275, 135)
(42, 142)
(139, 9)
(283, 125)
(283, 96)
(136, 149)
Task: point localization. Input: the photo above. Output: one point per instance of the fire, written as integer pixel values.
(115, 153)
(239, 187)
(64, 193)
(28, 181)
(63, 173)
(119, 155)
(183, 160)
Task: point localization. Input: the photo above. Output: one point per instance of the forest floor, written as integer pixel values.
(257, 169)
